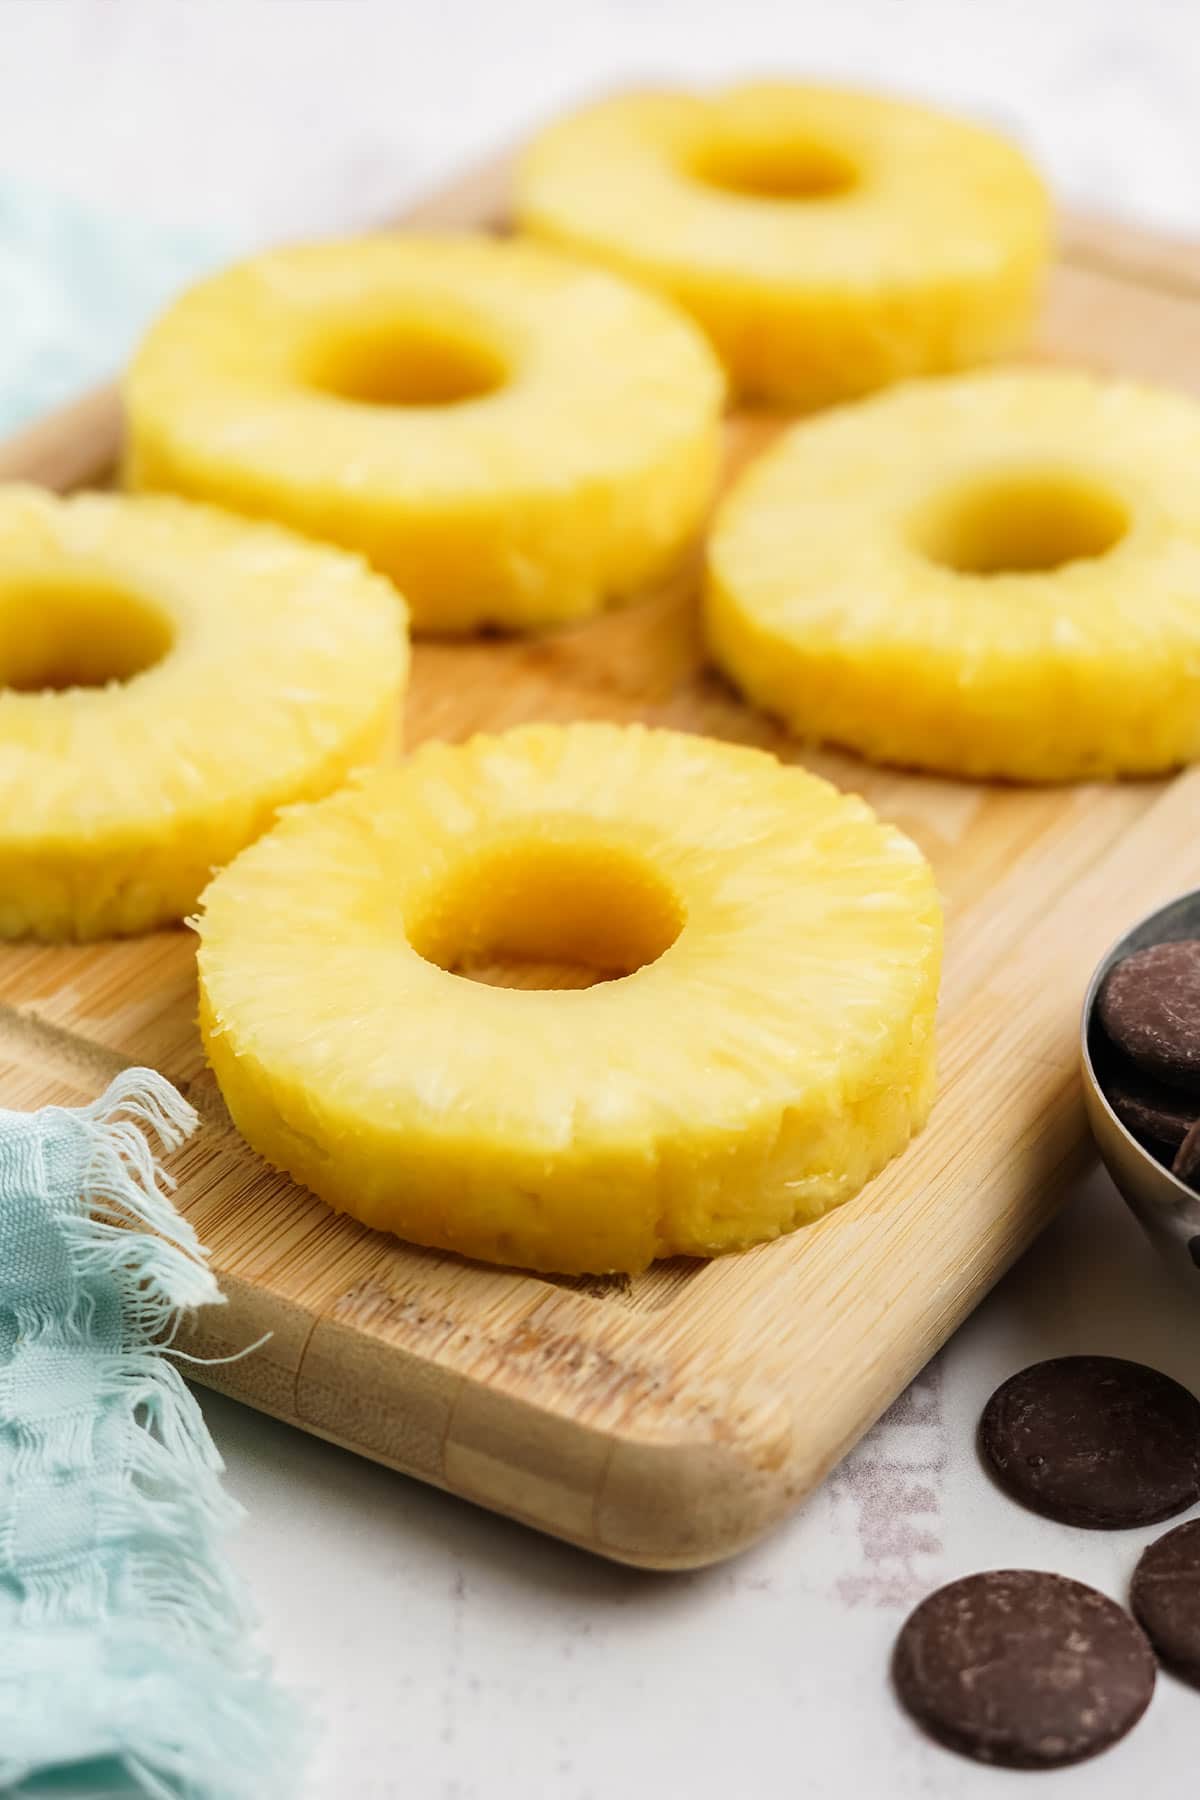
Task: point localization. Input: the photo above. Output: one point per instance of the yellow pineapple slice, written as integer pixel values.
(993, 575)
(514, 438)
(169, 677)
(763, 1045)
(829, 242)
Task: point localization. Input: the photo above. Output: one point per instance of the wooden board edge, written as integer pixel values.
(645, 1500)
(661, 1500)
(1133, 252)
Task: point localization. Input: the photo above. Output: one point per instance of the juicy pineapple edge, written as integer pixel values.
(1069, 647)
(582, 478)
(759, 1072)
(828, 241)
(273, 669)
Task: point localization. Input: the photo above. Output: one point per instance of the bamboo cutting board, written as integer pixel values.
(670, 1419)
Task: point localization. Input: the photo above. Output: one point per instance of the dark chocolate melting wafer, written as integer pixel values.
(1095, 1441)
(1187, 1158)
(1158, 1116)
(1150, 1007)
(1166, 1598)
(1024, 1669)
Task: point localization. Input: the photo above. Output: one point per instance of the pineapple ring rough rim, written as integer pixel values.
(575, 465)
(914, 241)
(760, 1071)
(265, 669)
(825, 607)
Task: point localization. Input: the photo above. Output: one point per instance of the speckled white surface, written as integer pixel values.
(452, 1656)
(273, 115)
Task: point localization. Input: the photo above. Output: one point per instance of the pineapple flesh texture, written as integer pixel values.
(762, 1047)
(169, 678)
(994, 575)
(828, 241)
(517, 440)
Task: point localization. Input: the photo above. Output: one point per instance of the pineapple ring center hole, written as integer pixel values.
(547, 915)
(1021, 524)
(54, 638)
(791, 168)
(408, 364)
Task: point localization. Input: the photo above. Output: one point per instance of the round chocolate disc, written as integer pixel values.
(1094, 1440)
(1187, 1158)
(1158, 1116)
(1022, 1668)
(1150, 1007)
(1166, 1598)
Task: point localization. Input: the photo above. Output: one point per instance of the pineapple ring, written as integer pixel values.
(995, 575)
(829, 242)
(514, 438)
(766, 1048)
(169, 677)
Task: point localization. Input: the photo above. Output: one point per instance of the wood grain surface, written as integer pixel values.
(669, 1419)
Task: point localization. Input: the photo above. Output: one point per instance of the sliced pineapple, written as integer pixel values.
(763, 1046)
(514, 438)
(995, 575)
(828, 241)
(169, 677)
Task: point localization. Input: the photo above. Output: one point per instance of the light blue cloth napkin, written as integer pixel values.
(124, 1644)
(76, 289)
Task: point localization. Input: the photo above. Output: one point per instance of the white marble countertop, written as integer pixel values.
(450, 1655)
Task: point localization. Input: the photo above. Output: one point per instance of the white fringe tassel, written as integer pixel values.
(151, 1635)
